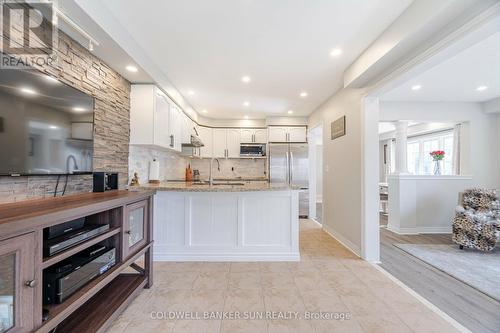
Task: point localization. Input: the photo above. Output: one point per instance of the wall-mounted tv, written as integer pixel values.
(46, 126)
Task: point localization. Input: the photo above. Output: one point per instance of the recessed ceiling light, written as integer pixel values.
(336, 52)
(190, 93)
(51, 79)
(481, 88)
(204, 111)
(416, 87)
(78, 109)
(28, 91)
(245, 79)
(290, 111)
(132, 69)
(246, 117)
(53, 127)
(303, 94)
(246, 103)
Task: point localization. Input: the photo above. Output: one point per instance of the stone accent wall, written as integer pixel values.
(79, 68)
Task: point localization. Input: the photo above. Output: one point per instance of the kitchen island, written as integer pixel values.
(252, 221)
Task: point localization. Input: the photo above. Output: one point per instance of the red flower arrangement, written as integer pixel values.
(437, 155)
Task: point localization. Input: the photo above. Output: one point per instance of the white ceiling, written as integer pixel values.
(284, 46)
(107, 50)
(457, 78)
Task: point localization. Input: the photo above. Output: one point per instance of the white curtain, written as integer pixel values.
(457, 133)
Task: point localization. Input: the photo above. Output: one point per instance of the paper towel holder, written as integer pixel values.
(154, 181)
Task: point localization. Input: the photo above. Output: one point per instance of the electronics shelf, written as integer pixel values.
(49, 261)
(95, 315)
(25, 227)
(58, 312)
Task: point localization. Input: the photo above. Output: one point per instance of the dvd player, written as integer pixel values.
(58, 244)
(64, 279)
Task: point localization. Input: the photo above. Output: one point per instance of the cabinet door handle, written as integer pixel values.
(253, 137)
(171, 140)
(128, 232)
(30, 283)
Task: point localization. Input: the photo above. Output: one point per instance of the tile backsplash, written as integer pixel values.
(172, 165)
(232, 168)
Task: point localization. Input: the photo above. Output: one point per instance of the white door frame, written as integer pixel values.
(312, 172)
(370, 231)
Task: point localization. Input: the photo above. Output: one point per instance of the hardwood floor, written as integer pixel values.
(473, 309)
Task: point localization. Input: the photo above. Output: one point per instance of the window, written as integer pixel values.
(418, 153)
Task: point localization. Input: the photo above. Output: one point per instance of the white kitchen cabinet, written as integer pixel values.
(253, 135)
(187, 129)
(205, 134)
(297, 134)
(175, 127)
(278, 134)
(287, 134)
(219, 144)
(226, 142)
(149, 116)
(233, 142)
(247, 135)
(260, 135)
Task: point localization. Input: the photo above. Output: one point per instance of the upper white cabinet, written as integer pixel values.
(187, 128)
(253, 135)
(155, 120)
(175, 127)
(205, 134)
(288, 134)
(233, 142)
(149, 116)
(226, 142)
(297, 134)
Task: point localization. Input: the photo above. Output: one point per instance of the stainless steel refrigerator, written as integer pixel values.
(288, 163)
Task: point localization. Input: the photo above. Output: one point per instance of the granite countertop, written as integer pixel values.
(217, 187)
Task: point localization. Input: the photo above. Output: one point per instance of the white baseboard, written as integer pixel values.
(419, 230)
(344, 241)
(224, 257)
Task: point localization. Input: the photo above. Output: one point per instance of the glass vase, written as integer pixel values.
(437, 168)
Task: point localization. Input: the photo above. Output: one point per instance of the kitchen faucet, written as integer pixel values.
(210, 178)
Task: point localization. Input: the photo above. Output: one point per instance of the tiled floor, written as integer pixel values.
(329, 280)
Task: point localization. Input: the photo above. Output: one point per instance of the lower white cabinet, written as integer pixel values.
(226, 226)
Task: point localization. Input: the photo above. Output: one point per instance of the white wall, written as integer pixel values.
(496, 144)
(342, 164)
(480, 128)
(319, 172)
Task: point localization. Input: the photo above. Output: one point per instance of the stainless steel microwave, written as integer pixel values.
(253, 149)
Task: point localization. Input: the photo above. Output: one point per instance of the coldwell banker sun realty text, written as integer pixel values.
(28, 33)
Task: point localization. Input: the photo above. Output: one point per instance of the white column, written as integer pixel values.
(401, 145)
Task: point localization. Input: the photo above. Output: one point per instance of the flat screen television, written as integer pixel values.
(46, 126)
